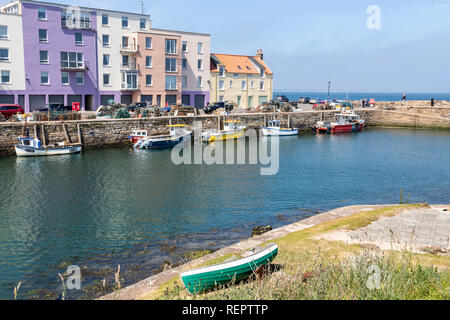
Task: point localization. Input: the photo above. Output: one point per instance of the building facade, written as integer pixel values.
(244, 80)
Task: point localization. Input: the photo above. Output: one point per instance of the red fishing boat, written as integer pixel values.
(347, 121)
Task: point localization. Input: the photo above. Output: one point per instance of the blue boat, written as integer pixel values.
(178, 134)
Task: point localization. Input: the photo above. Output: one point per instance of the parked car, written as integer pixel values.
(55, 107)
(282, 98)
(135, 105)
(218, 105)
(7, 110)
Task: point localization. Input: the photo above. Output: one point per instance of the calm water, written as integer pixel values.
(378, 96)
(137, 209)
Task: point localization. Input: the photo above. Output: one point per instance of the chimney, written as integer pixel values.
(259, 54)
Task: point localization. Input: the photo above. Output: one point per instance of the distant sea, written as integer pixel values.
(379, 96)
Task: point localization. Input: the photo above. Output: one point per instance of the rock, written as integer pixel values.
(166, 265)
(257, 231)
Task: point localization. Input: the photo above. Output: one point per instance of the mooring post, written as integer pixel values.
(79, 133)
(35, 131)
(66, 133)
(265, 121)
(44, 140)
(218, 122)
(289, 120)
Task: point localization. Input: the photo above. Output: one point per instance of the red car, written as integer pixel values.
(7, 110)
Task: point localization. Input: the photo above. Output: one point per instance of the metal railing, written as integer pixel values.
(129, 86)
(76, 23)
(129, 48)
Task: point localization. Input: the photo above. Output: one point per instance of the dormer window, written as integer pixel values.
(222, 71)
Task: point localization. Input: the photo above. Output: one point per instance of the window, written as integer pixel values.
(148, 43)
(185, 64)
(69, 19)
(221, 98)
(125, 61)
(105, 20)
(261, 85)
(4, 54)
(45, 80)
(200, 47)
(106, 79)
(200, 82)
(200, 64)
(184, 46)
(105, 40)
(124, 42)
(106, 61)
(148, 61)
(6, 76)
(78, 38)
(252, 84)
(231, 84)
(65, 78)
(43, 57)
(185, 83)
(43, 35)
(243, 85)
(3, 32)
(124, 22)
(72, 60)
(171, 82)
(80, 78)
(262, 73)
(171, 46)
(221, 85)
(222, 71)
(171, 65)
(236, 75)
(42, 13)
(143, 24)
(148, 80)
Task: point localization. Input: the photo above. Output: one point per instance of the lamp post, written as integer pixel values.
(329, 86)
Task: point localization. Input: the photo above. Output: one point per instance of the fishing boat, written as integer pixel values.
(29, 147)
(231, 130)
(178, 134)
(274, 129)
(199, 280)
(346, 121)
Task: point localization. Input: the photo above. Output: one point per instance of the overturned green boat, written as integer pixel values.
(199, 280)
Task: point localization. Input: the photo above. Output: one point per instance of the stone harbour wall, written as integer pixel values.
(112, 133)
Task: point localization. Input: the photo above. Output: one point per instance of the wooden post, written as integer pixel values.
(24, 128)
(289, 120)
(66, 133)
(35, 131)
(265, 121)
(218, 123)
(44, 140)
(79, 133)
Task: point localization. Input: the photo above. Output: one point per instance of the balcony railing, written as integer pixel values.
(73, 65)
(76, 23)
(129, 66)
(129, 86)
(133, 48)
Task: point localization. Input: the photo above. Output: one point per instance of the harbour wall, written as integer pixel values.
(115, 132)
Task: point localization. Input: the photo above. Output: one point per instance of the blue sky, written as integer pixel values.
(307, 43)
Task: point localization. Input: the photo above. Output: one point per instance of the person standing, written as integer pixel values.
(404, 97)
(363, 102)
(432, 102)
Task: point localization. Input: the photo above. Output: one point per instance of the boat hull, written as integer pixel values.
(355, 127)
(168, 142)
(22, 151)
(222, 136)
(279, 132)
(200, 280)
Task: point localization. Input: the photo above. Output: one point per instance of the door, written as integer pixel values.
(239, 100)
(147, 99)
(171, 100)
(250, 101)
(200, 101)
(36, 102)
(56, 99)
(262, 99)
(186, 99)
(158, 100)
(89, 102)
(126, 99)
(21, 101)
(6, 98)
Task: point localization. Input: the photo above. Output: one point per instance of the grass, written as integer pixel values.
(314, 268)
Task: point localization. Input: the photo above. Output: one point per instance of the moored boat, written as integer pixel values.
(137, 135)
(178, 134)
(231, 130)
(274, 129)
(347, 121)
(32, 147)
(199, 280)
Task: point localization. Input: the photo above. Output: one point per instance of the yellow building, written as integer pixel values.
(244, 80)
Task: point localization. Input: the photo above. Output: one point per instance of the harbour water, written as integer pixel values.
(135, 208)
(378, 96)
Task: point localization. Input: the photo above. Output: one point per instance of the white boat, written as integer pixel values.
(274, 129)
(178, 134)
(231, 130)
(32, 147)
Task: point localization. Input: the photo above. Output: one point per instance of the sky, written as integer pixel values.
(308, 43)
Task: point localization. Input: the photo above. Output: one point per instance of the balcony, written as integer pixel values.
(127, 86)
(130, 48)
(74, 65)
(129, 67)
(76, 24)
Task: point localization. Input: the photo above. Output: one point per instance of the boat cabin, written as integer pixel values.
(30, 142)
(231, 125)
(178, 129)
(274, 124)
(139, 133)
(344, 118)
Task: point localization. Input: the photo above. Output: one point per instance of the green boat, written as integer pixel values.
(200, 280)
